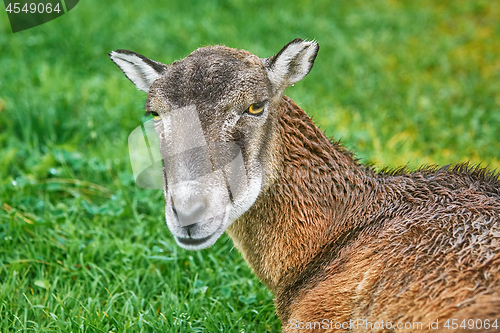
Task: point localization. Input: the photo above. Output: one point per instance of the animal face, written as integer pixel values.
(215, 115)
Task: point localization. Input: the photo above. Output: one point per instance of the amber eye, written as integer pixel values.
(155, 115)
(256, 108)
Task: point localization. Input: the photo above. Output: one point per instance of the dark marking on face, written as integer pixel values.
(207, 76)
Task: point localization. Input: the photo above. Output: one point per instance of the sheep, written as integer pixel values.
(342, 246)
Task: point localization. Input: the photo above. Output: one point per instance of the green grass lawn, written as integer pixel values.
(82, 249)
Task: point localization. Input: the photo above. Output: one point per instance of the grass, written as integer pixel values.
(82, 249)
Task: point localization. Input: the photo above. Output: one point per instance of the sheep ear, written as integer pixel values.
(292, 63)
(138, 69)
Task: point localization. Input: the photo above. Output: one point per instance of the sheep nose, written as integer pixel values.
(190, 211)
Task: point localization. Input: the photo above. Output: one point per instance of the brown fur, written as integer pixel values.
(335, 240)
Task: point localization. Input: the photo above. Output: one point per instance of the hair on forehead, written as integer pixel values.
(208, 75)
(224, 52)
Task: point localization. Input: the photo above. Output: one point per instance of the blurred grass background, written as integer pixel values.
(83, 249)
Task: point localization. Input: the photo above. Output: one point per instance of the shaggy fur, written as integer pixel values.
(334, 240)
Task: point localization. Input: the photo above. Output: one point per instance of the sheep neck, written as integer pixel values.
(303, 212)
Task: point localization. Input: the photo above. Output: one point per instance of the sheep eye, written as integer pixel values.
(256, 108)
(155, 115)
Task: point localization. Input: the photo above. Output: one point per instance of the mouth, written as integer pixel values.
(190, 242)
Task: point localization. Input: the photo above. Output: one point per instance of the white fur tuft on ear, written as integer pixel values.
(138, 69)
(292, 63)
